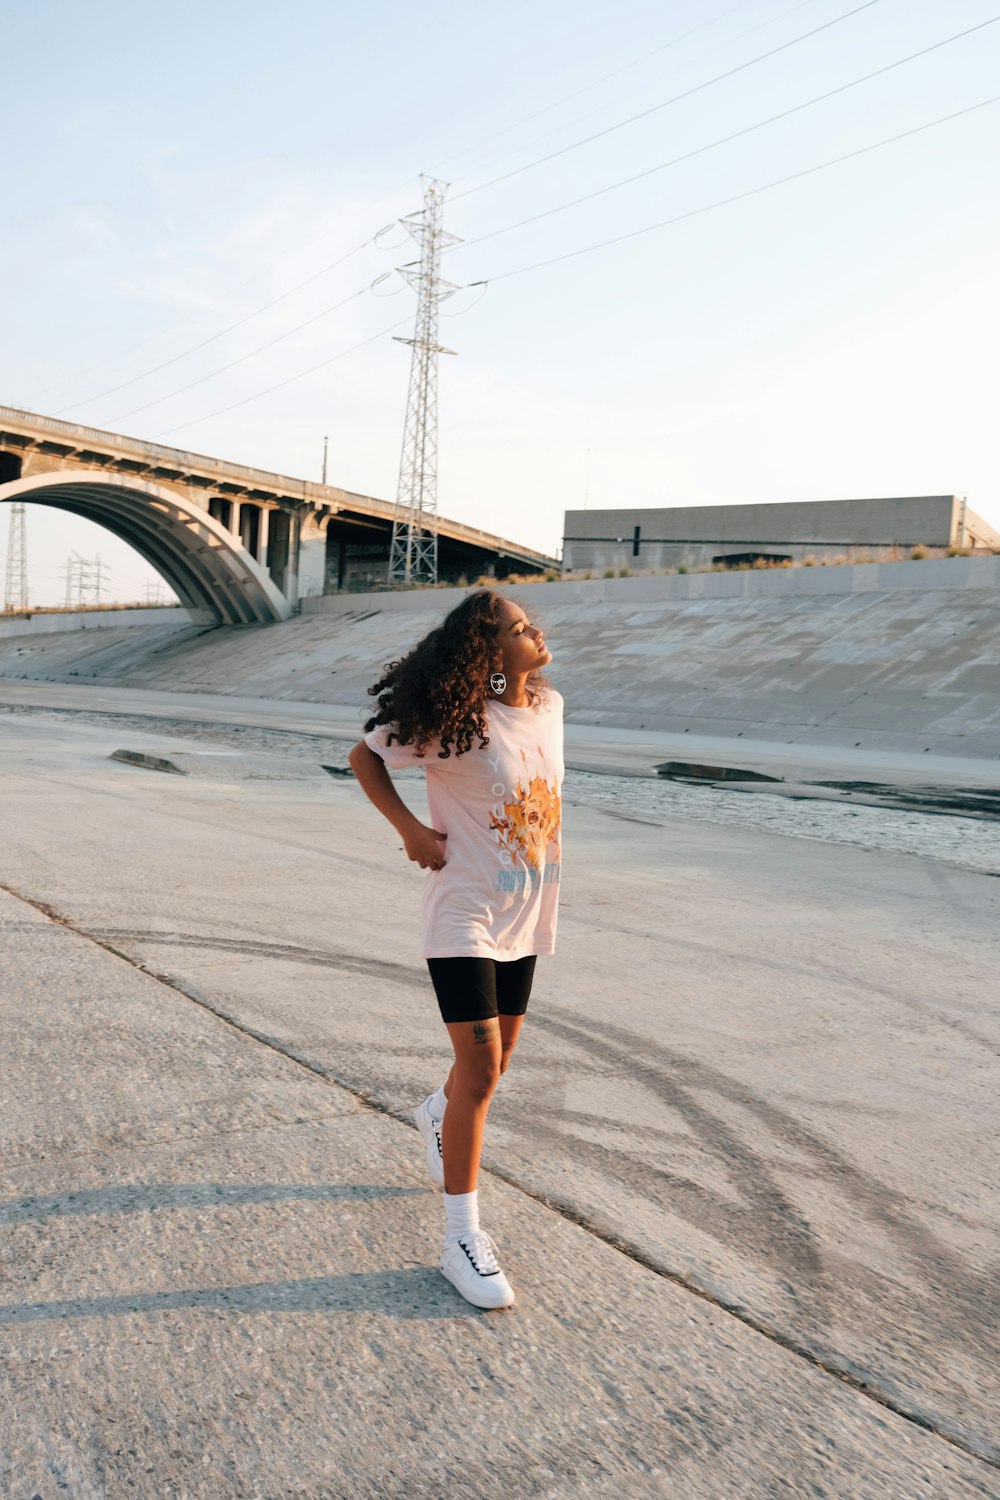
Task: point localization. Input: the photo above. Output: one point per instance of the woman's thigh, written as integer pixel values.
(477, 989)
(513, 982)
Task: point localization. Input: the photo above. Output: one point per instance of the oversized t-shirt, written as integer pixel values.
(497, 894)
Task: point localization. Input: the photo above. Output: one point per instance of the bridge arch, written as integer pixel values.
(202, 562)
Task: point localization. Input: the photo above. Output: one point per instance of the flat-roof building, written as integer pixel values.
(699, 535)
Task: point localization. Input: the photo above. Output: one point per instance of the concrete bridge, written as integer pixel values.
(236, 544)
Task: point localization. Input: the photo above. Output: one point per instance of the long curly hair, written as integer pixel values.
(440, 689)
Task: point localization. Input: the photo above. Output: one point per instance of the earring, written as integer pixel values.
(498, 682)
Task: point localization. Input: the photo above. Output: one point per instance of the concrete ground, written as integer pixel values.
(740, 1171)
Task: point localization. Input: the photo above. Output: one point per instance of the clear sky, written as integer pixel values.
(173, 168)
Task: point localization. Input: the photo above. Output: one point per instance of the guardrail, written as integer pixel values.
(137, 445)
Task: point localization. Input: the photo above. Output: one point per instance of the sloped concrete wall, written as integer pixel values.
(895, 656)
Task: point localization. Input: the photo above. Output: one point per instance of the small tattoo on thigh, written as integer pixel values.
(483, 1031)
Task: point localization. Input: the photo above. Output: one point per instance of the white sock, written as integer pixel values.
(461, 1211)
(437, 1103)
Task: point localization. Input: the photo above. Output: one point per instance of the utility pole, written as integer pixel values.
(15, 593)
(325, 442)
(413, 553)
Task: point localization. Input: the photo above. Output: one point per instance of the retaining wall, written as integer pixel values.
(894, 655)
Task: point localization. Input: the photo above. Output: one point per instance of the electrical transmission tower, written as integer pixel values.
(83, 579)
(15, 593)
(413, 554)
(154, 593)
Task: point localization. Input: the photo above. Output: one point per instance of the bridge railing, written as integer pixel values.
(178, 456)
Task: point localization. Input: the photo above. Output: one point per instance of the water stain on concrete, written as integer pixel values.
(979, 802)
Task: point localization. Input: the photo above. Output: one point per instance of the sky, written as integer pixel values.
(180, 167)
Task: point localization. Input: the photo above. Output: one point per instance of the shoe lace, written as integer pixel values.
(436, 1128)
(482, 1247)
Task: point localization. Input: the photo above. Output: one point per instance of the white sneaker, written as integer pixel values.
(430, 1129)
(471, 1266)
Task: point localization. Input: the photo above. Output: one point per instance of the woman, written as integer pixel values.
(492, 856)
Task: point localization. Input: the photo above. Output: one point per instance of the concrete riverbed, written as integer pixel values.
(741, 1170)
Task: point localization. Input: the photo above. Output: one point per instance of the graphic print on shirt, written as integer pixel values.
(530, 821)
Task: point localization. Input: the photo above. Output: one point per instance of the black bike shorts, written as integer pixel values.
(474, 989)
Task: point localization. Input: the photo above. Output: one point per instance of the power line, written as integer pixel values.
(165, 364)
(603, 244)
(261, 348)
(644, 88)
(231, 328)
(665, 103)
(725, 139)
(282, 383)
(596, 83)
(180, 323)
(173, 326)
(737, 197)
(194, 349)
(274, 265)
(373, 239)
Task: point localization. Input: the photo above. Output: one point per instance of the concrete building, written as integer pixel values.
(699, 535)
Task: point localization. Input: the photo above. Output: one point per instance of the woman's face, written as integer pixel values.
(522, 643)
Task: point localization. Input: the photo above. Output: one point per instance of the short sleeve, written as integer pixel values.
(396, 756)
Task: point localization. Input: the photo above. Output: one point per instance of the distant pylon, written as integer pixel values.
(83, 578)
(15, 593)
(413, 554)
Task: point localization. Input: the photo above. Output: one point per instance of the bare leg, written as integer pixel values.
(510, 1030)
(469, 1089)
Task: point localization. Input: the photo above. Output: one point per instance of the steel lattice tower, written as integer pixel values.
(413, 554)
(15, 593)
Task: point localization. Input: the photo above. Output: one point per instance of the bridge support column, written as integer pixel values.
(250, 529)
(277, 547)
(234, 519)
(291, 588)
(262, 531)
(221, 510)
(312, 557)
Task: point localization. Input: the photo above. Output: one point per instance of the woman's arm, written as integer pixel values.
(422, 844)
(376, 783)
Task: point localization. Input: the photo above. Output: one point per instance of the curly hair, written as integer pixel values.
(439, 690)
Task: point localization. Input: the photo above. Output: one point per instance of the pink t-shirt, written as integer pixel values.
(497, 894)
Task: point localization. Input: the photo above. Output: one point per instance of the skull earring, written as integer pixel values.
(498, 682)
